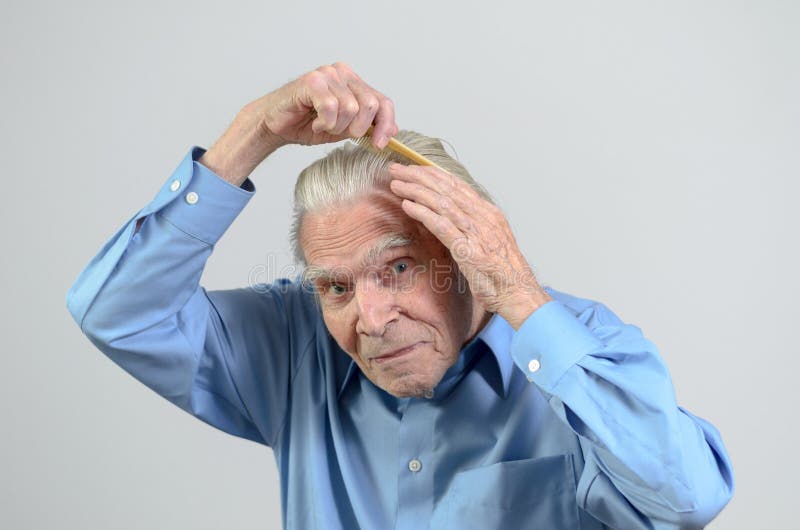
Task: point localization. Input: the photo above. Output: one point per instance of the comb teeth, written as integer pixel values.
(366, 142)
(397, 147)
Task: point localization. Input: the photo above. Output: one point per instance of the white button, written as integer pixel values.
(192, 197)
(414, 465)
(175, 186)
(534, 365)
(429, 393)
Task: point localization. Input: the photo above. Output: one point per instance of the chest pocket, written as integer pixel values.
(531, 493)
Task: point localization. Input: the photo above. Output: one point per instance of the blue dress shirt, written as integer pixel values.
(570, 422)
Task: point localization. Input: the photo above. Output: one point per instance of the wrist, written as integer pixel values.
(518, 309)
(243, 146)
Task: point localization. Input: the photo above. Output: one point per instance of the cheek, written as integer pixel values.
(343, 333)
(432, 306)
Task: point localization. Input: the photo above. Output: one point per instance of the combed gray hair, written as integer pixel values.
(351, 170)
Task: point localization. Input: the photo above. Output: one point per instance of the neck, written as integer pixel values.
(480, 317)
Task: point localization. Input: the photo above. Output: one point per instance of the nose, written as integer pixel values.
(376, 307)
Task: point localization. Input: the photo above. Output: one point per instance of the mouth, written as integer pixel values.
(395, 354)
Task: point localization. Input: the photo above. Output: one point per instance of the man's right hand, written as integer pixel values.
(329, 104)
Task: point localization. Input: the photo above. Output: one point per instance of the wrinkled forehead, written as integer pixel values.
(358, 230)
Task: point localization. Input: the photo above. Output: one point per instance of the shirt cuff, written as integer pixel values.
(550, 342)
(207, 204)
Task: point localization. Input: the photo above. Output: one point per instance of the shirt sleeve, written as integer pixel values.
(225, 357)
(648, 462)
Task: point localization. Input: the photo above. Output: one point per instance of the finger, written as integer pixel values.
(385, 123)
(368, 104)
(347, 105)
(441, 227)
(435, 202)
(443, 182)
(447, 185)
(384, 120)
(314, 92)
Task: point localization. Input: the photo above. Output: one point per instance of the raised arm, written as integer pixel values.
(649, 463)
(224, 356)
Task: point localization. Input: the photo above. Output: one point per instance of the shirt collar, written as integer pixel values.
(496, 334)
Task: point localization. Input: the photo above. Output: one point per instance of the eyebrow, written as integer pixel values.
(313, 273)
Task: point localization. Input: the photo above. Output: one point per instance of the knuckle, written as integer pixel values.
(470, 192)
(328, 104)
(343, 66)
(452, 181)
(312, 78)
(350, 107)
(371, 103)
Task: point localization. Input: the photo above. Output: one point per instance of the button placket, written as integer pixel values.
(415, 480)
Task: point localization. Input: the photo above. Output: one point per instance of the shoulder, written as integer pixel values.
(285, 304)
(295, 298)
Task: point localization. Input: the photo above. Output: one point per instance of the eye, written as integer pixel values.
(336, 289)
(400, 267)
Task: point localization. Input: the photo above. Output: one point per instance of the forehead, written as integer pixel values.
(344, 235)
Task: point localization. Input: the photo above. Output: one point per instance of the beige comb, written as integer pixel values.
(398, 147)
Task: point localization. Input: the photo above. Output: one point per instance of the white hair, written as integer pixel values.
(352, 170)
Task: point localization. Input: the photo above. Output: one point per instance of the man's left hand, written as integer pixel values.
(478, 236)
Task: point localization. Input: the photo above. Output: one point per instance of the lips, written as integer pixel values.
(396, 353)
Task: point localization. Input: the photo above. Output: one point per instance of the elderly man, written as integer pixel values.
(417, 375)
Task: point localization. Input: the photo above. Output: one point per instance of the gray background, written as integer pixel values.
(646, 154)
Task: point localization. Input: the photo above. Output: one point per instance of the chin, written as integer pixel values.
(403, 393)
(408, 386)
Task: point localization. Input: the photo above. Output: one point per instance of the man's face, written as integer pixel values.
(406, 296)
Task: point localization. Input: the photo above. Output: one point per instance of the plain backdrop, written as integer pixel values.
(647, 155)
